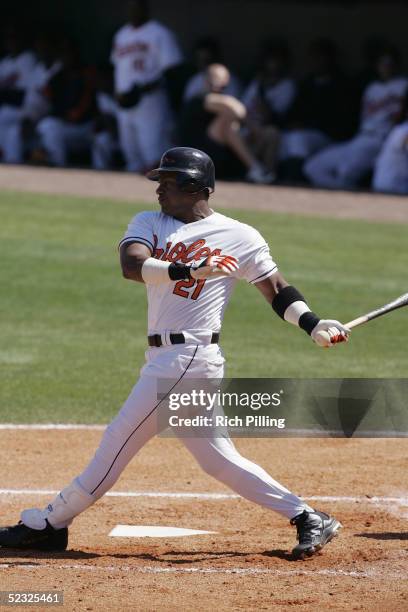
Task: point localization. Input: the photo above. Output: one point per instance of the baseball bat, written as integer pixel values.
(401, 301)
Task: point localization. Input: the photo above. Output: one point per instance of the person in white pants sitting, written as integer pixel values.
(343, 165)
(391, 167)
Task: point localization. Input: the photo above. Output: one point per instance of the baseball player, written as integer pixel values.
(143, 50)
(391, 166)
(71, 95)
(36, 103)
(320, 112)
(189, 257)
(267, 99)
(15, 78)
(105, 143)
(343, 165)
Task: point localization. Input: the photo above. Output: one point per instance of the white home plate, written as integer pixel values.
(152, 531)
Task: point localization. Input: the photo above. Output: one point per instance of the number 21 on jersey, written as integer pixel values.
(182, 286)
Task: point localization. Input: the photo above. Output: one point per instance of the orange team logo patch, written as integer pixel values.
(183, 253)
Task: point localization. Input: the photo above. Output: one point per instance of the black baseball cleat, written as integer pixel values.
(22, 537)
(314, 530)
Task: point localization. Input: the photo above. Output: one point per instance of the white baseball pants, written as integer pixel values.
(104, 146)
(11, 140)
(137, 423)
(144, 131)
(58, 137)
(341, 166)
(391, 167)
(302, 143)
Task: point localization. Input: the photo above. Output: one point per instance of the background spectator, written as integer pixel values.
(36, 103)
(342, 166)
(143, 50)
(268, 99)
(320, 113)
(105, 143)
(212, 121)
(391, 167)
(286, 122)
(206, 52)
(15, 73)
(371, 48)
(71, 95)
(47, 65)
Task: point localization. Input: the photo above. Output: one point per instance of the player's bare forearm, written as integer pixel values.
(271, 286)
(132, 258)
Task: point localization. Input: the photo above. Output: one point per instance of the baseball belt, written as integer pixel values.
(155, 339)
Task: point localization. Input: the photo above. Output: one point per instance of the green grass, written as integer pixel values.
(73, 331)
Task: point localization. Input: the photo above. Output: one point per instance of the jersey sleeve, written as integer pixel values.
(140, 229)
(113, 55)
(255, 261)
(170, 54)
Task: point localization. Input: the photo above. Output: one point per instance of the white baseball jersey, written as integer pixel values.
(381, 104)
(391, 171)
(36, 104)
(141, 55)
(189, 304)
(15, 71)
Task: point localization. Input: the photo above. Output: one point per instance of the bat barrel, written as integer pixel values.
(401, 301)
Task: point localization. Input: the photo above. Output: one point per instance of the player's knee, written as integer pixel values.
(221, 465)
(48, 125)
(212, 464)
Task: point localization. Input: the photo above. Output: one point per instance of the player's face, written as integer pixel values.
(172, 200)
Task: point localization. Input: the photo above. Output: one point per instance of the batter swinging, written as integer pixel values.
(189, 258)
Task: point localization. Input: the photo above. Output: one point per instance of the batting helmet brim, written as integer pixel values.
(154, 174)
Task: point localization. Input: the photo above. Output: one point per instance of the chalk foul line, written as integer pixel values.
(292, 433)
(362, 499)
(240, 571)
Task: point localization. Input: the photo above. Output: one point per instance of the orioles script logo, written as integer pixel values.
(183, 253)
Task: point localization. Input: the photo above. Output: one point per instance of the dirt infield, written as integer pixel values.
(246, 564)
(130, 187)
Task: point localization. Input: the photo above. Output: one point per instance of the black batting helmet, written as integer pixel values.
(194, 169)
